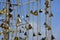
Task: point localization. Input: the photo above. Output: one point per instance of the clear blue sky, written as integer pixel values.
(56, 18)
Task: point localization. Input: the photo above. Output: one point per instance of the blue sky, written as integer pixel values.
(56, 17)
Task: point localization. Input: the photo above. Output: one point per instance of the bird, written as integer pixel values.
(39, 33)
(40, 11)
(35, 13)
(34, 34)
(18, 20)
(16, 38)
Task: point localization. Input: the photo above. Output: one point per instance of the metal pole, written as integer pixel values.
(6, 34)
(37, 21)
(33, 22)
(46, 18)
